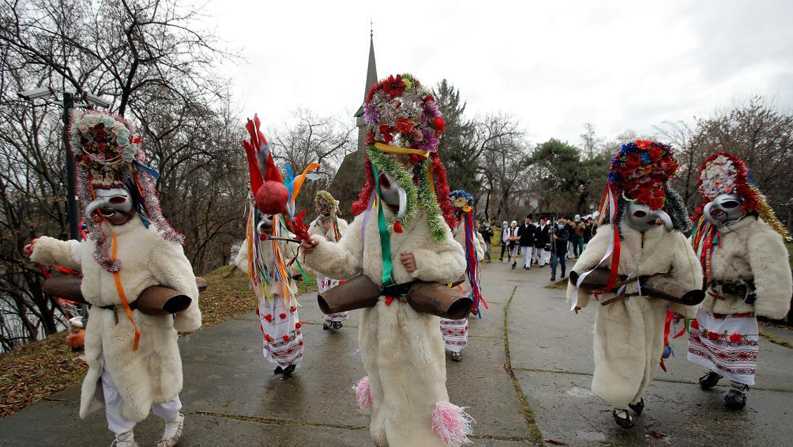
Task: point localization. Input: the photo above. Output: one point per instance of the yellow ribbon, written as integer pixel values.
(387, 148)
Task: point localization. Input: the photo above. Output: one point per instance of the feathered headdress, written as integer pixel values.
(403, 119)
(273, 193)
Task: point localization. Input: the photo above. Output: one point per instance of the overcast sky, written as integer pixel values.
(553, 65)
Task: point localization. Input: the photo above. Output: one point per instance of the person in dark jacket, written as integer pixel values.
(487, 235)
(542, 243)
(526, 234)
(559, 236)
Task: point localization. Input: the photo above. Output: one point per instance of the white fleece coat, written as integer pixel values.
(751, 250)
(402, 350)
(153, 373)
(628, 340)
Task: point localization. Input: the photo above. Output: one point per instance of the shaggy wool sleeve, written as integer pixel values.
(339, 260)
(769, 260)
(444, 262)
(48, 251)
(169, 265)
(594, 252)
(686, 269)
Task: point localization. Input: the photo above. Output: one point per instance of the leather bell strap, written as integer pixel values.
(122, 294)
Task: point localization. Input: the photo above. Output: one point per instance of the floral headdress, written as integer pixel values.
(462, 200)
(403, 118)
(640, 170)
(109, 154)
(726, 173)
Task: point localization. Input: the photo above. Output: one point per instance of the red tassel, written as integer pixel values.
(398, 227)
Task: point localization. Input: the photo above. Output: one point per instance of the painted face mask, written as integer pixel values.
(724, 210)
(642, 218)
(111, 204)
(392, 194)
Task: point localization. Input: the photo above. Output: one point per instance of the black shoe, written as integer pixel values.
(336, 325)
(709, 380)
(288, 372)
(278, 371)
(623, 418)
(637, 407)
(553, 278)
(456, 356)
(735, 399)
(514, 264)
(325, 326)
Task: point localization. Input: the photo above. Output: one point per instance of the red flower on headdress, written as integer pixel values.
(439, 124)
(394, 86)
(404, 125)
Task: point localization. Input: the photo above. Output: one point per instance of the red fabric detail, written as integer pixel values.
(398, 227)
(442, 190)
(362, 203)
(282, 316)
(389, 300)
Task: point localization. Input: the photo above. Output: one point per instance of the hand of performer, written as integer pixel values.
(308, 245)
(408, 261)
(28, 250)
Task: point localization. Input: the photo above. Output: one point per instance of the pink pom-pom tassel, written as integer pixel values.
(452, 424)
(363, 394)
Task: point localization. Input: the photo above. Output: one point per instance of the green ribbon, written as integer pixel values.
(385, 235)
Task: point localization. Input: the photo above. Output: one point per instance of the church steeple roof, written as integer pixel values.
(371, 68)
(371, 72)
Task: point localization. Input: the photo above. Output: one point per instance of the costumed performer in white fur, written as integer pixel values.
(641, 235)
(269, 249)
(401, 233)
(330, 226)
(134, 365)
(740, 243)
(455, 332)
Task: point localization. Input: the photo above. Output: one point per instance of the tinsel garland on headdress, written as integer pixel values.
(423, 196)
(725, 173)
(108, 145)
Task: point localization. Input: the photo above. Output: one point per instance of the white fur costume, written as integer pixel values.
(628, 340)
(748, 250)
(402, 350)
(323, 282)
(455, 332)
(153, 373)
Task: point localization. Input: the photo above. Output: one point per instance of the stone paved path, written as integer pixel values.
(525, 384)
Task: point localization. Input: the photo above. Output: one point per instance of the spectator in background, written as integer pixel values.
(559, 236)
(577, 229)
(504, 239)
(526, 239)
(589, 230)
(513, 242)
(542, 243)
(487, 235)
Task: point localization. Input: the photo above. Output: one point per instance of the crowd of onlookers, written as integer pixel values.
(551, 240)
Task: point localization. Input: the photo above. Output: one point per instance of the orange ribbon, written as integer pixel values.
(122, 294)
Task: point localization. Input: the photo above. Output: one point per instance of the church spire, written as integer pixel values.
(371, 69)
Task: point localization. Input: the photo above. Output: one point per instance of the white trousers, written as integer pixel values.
(526, 251)
(117, 423)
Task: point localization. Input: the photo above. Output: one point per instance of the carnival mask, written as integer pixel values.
(643, 218)
(392, 194)
(265, 225)
(723, 210)
(111, 204)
